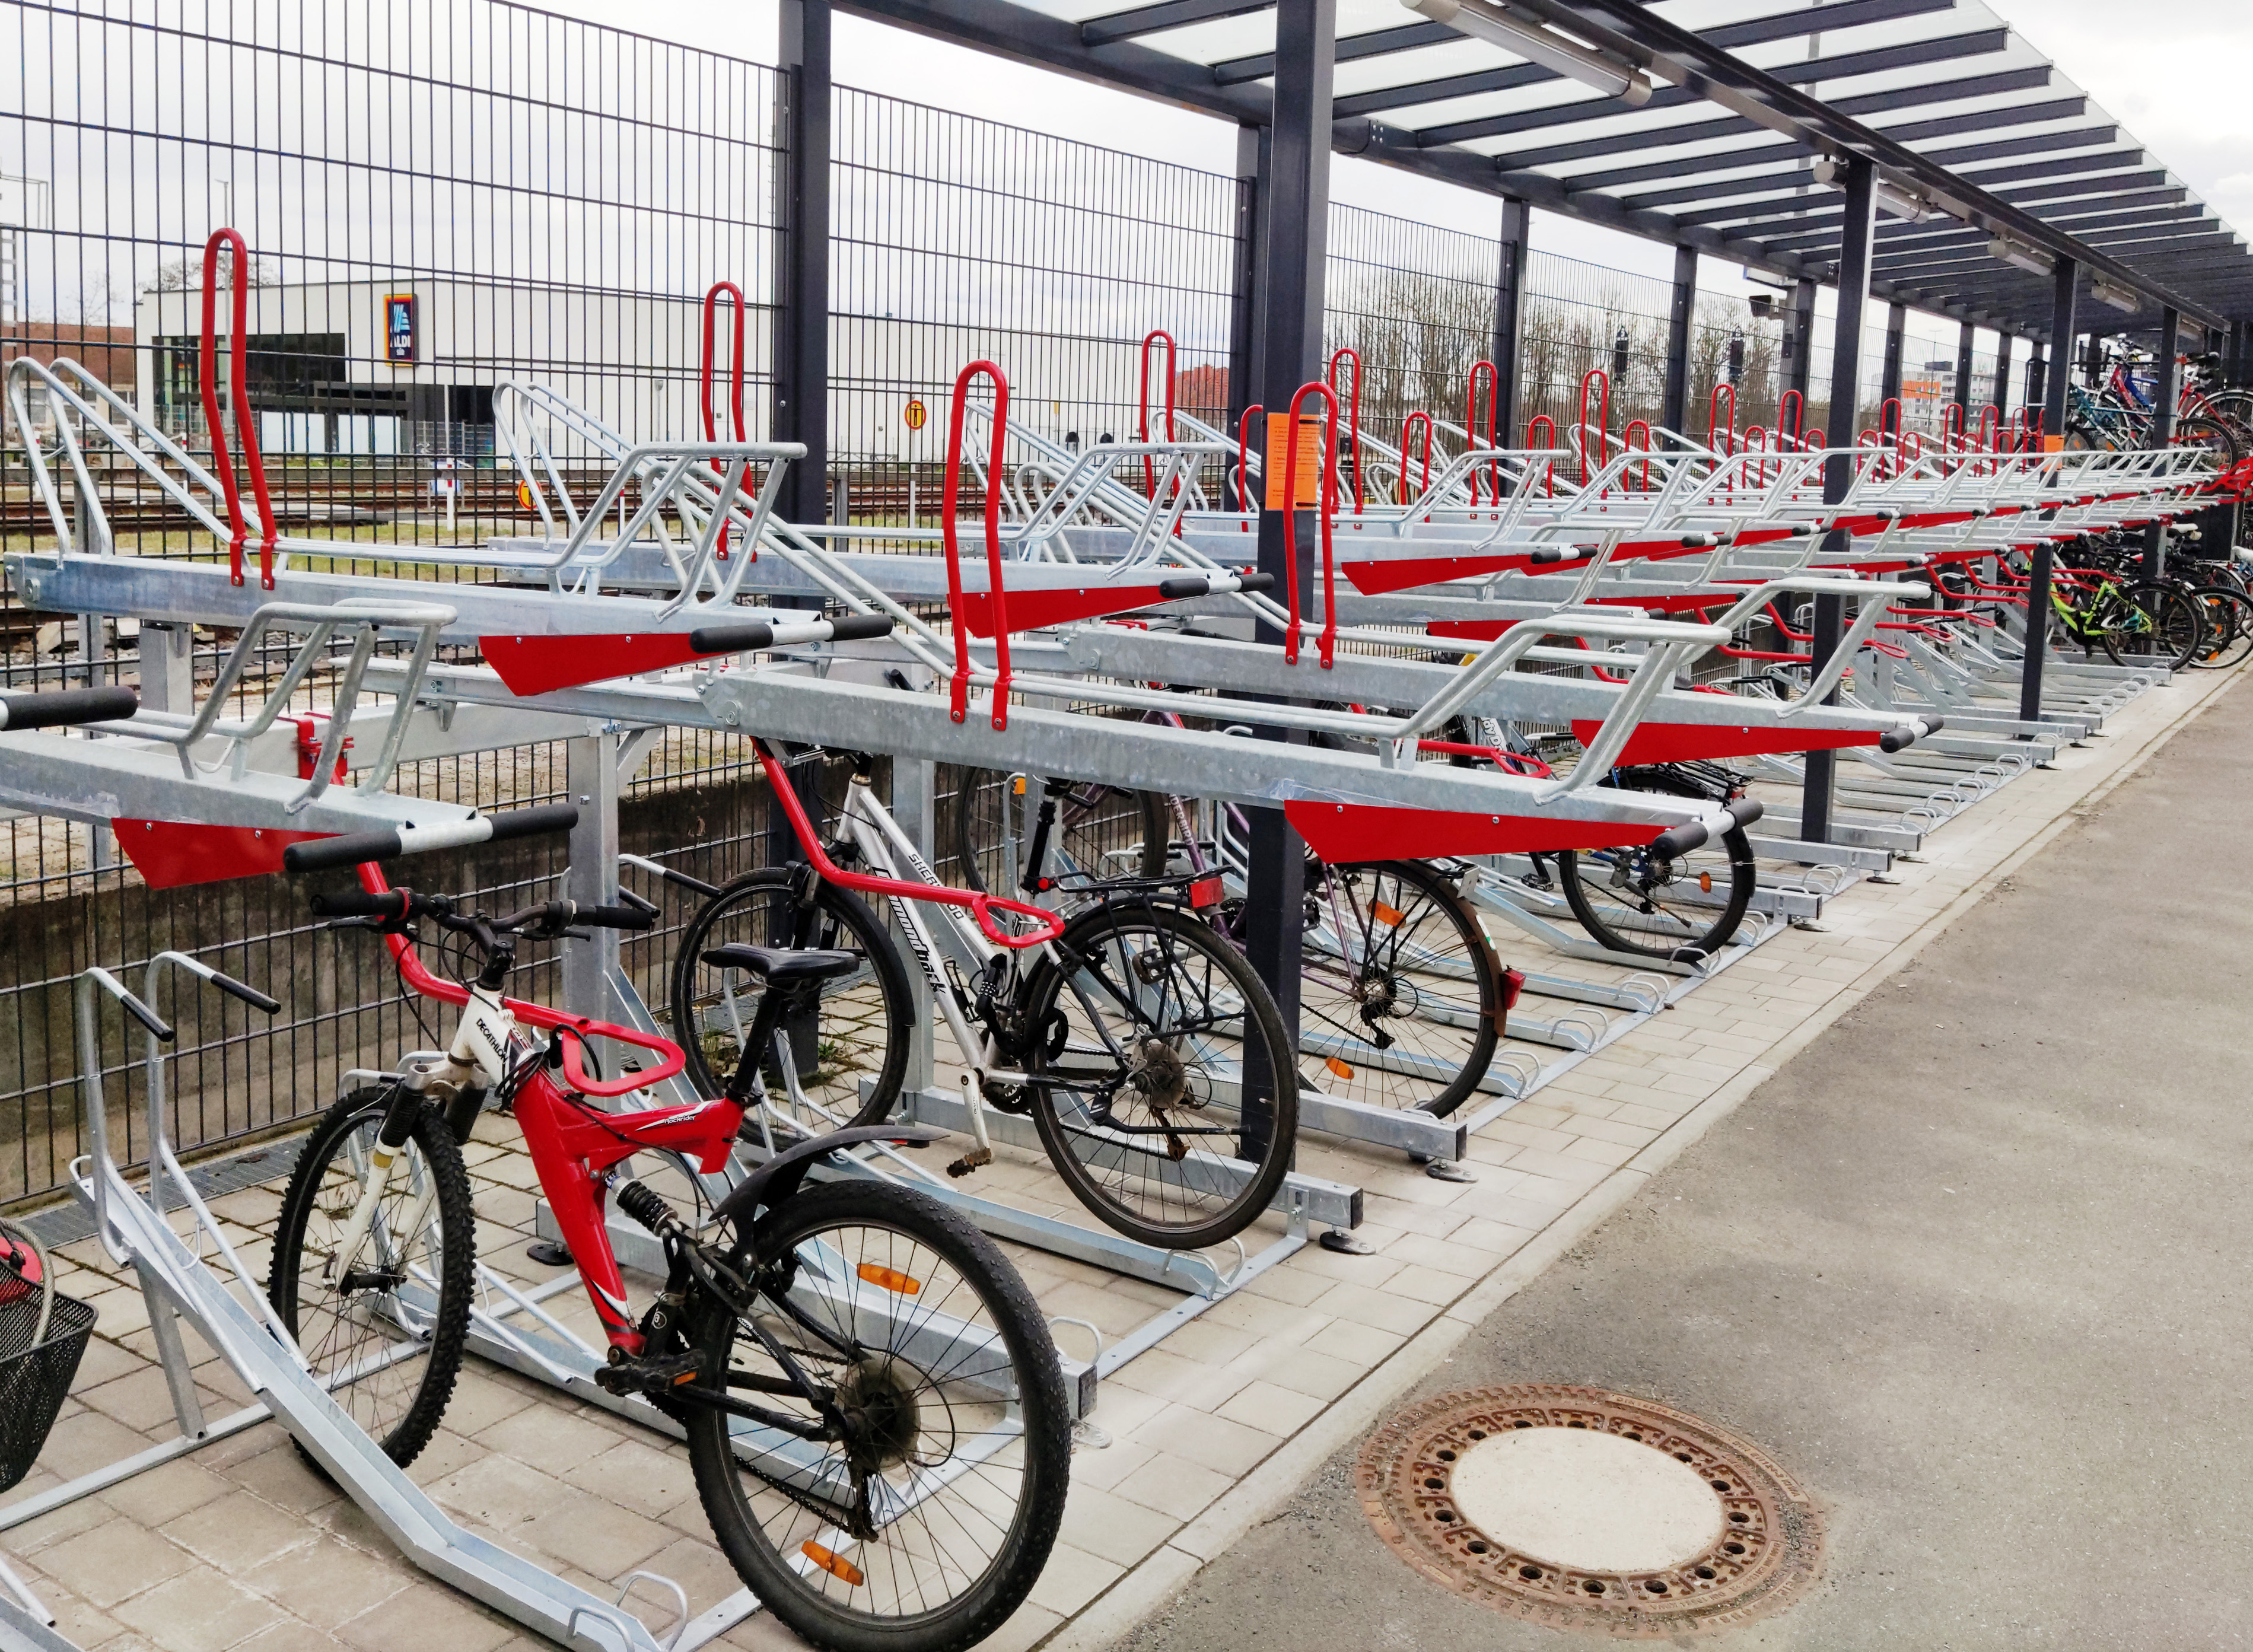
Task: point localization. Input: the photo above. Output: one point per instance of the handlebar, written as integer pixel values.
(756, 636)
(63, 707)
(548, 919)
(1677, 841)
(353, 848)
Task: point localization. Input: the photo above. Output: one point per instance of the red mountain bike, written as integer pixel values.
(873, 1405)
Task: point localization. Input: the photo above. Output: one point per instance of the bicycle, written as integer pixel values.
(897, 1477)
(1402, 1000)
(1149, 1054)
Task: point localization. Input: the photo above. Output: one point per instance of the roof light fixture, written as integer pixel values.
(1493, 22)
(2019, 257)
(2119, 297)
(1896, 203)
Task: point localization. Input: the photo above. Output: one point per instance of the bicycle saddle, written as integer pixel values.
(780, 966)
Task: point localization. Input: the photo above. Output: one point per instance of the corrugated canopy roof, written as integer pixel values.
(1965, 120)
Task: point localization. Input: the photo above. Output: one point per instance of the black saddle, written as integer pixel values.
(782, 965)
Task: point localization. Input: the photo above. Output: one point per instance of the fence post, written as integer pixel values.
(1509, 311)
(2061, 328)
(800, 315)
(590, 767)
(1856, 249)
(1674, 412)
(1294, 242)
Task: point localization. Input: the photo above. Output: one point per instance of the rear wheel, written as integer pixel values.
(1400, 993)
(1102, 831)
(1163, 1084)
(1631, 900)
(2216, 437)
(384, 1328)
(927, 1523)
(2229, 626)
(2154, 625)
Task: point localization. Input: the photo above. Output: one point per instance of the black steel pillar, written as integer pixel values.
(1295, 209)
(1799, 344)
(1508, 305)
(1855, 250)
(1674, 411)
(1963, 372)
(2061, 332)
(2038, 375)
(1253, 146)
(1889, 381)
(801, 309)
(2165, 388)
(2003, 343)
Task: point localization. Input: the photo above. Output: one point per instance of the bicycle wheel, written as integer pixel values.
(851, 1053)
(1399, 993)
(1142, 1037)
(2197, 431)
(2229, 626)
(1101, 830)
(929, 1523)
(2152, 624)
(385, 1328)
(1631, 902)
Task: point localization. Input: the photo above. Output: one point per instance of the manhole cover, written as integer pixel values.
(1581, 1509)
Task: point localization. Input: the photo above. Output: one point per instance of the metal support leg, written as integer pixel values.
(591, 765)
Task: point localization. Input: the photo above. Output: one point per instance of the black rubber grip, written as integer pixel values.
(696, 885)
(1934, 725)
(323, 854)
(636, 903)
(146, 1016)
(359, 903)
(1550, 554)
(1745, 811)
(1677, 841)
(1172, 590)
(1257, 582)
(860, 628)
(534, 822)
(247, 993)
(613, 918)
(61, 706)
(748, 638)
(1896, 739)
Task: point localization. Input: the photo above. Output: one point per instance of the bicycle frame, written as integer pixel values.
(573, 1146)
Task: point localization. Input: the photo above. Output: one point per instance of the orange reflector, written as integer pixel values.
(1706, 882)
(890, 1278)
(1017, 784)
(1338, 1067)
(1391, 917)
(835, 1565)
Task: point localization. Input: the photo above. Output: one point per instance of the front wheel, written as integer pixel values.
(913, 1512)
(1633, 901)
(383, 1328)
(2153, 625)
(1163, 1085)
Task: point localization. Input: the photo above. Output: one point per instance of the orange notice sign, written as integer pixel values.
(1310, 480)
(2052, 445)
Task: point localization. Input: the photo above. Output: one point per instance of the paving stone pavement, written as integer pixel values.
(239, 1544)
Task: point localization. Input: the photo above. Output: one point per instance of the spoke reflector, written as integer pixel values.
(1338, 1067)
(1706, 882)
(891, 1280)
(835, 1565)
(1390, 916)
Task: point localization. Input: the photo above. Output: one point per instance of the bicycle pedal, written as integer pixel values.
(649, 1376)
(970, 1161)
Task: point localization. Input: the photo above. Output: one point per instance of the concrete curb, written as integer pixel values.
(1256, 1498)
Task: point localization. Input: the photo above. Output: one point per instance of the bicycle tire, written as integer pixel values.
(1096, 827)
(1415, 1023)
(1184, 1057)
(865, 1019)
(2229, 626)
(2197, 430)
(322, 1192)
(756, 1526)
(1662, 931)
(2168, 632)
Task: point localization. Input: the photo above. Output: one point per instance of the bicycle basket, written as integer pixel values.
(43, 1335)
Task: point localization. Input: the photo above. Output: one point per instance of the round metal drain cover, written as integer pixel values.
(1580, 1510)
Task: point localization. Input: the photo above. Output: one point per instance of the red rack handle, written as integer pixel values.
(1346, 353)
(1715, 428)
(736, 371)
(1414, 420)
(1048, 925)
(1244, 457)
(995, 592)
(1603, 381)
(1493, 375)
(246, 420)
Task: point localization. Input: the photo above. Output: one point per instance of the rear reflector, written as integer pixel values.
(1390, 916)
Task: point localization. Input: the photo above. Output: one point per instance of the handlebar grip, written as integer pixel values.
(1745, 811)
(1173, 590)
(60, 707)
(517, 823)
(1898, 739)
(359, 903)
(747, 636)
(320, 854)
(860, 628)
(247, 993)
(1256, 583)
(613, 918)
(148, 1017)
(1677, 841)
